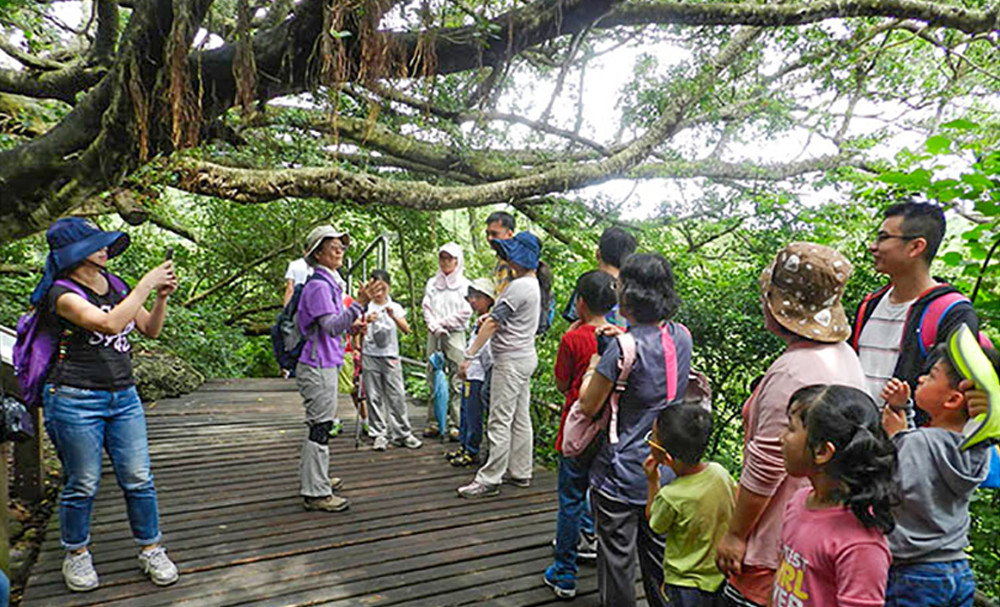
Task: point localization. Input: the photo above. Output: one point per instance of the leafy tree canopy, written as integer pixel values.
(413, 105)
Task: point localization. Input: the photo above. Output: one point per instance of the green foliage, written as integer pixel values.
(985, 538)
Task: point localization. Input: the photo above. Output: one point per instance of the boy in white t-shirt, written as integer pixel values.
(382, 371)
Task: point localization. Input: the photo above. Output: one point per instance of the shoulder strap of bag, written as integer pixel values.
(626, 360)
(862, 310)
(670, 360)
(931, 317)
(117, 284)
(72, 286)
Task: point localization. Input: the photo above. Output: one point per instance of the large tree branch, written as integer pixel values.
(335, 184)
(101, 140)
(800, 13)
(27, 59)
(107, 32)
(61, 84)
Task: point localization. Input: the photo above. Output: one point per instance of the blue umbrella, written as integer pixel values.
(440, 394)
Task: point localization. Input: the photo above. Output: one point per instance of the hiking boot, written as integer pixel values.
(381, 444)
(430, 432)
(523, 483)
(453, 435)
(409, 441)
(366, 429)
(336, 483)
(563, 586)
(586, 548)
(475, 490)
(330, 503)
(157, 565)
(78, 572)
(337, 428)
(450, 455)
(464, 460)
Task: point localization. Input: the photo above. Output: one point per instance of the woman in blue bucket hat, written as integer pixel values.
(89, 398)
(512, 325)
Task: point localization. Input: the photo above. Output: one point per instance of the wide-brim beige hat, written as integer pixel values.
(321, 233)
(803, 287)
(482, 285)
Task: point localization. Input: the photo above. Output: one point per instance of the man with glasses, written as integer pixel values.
(500, 225)
(887, 326)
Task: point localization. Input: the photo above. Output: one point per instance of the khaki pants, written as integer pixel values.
(509, 428)
(453, 347)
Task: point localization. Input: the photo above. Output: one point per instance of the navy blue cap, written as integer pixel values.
(523, 249)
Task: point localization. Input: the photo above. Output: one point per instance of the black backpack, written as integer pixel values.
(286, 339)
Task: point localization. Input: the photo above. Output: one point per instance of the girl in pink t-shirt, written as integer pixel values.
(833, 545)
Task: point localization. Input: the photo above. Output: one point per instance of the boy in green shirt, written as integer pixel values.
(692, 511)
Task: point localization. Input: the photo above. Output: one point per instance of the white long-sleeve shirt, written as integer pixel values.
(446, 308)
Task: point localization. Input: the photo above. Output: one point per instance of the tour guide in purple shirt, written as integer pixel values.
(322, 318)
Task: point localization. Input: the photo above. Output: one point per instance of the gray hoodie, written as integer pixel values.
(936, 481)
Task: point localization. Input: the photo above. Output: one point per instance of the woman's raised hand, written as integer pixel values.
(370, 290)
(161, 279)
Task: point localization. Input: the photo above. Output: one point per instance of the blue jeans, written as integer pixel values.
(4, 590)
(683, 596)
(573, 517)
(931, 584)
(80, 424)
(470, 429)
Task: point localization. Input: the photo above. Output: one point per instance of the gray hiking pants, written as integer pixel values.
(387, 415)
(318, 388)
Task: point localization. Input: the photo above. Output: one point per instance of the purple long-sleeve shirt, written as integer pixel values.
(323, 319)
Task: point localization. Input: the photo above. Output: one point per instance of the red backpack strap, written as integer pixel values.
(669, 360)
(930, 318)
(862, 310)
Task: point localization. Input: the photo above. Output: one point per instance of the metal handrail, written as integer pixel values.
(380, 245)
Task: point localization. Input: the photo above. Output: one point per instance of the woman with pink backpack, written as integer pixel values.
(658, 379)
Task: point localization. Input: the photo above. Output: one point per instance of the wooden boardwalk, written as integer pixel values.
(225, 461)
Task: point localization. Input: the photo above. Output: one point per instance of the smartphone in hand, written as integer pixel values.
(170, 254)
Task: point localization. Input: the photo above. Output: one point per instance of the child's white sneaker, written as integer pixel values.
(157, 565)
(78, 572)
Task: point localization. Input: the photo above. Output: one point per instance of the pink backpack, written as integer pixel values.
(580, 429)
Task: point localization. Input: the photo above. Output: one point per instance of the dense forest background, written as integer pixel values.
(715, 131)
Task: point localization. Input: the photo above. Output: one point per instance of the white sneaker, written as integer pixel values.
(409, 441)
(381, 444)
(78, 572)
(157, 565)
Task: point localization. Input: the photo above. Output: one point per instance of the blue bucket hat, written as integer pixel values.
(522, 249)
(72, 240)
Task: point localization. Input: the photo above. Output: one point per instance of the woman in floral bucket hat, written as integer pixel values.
(89, 397)
(800, 296)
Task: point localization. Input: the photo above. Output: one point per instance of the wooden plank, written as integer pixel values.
(225, 461)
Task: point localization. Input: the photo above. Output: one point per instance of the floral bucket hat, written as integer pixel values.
(802, 288)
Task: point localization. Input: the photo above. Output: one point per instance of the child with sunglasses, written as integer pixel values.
(692, 512)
